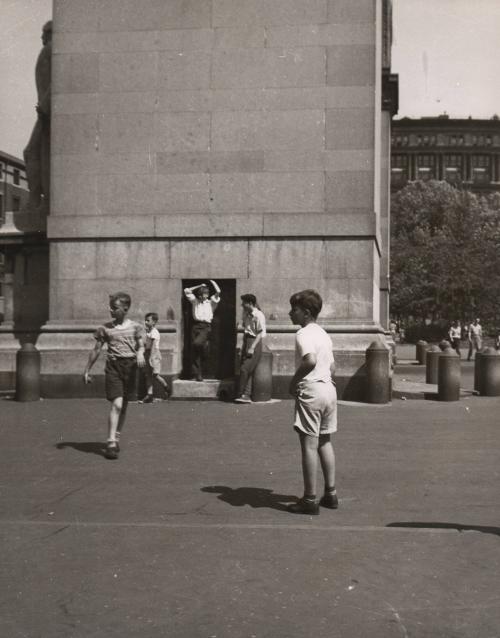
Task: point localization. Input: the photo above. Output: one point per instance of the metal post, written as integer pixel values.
(489, 384)
(449, 376)
(421, 351)
(262, 378)
(27, 373)
(377, 373)
(432, 364)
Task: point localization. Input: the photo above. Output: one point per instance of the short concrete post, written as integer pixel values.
(432, 364)
(449, 376)
(27, 373)
(421, 351)
(262, 379)
(489, 379)
(377, 373)
(477, 372)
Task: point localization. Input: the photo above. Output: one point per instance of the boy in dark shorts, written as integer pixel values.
(125, 351)
(315, 401)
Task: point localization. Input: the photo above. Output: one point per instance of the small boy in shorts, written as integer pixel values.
(125, 351)
(152, 356)
(315, 401)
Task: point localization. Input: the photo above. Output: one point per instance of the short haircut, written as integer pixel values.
(153, 315)
(308, 300)
(199, 291)
(121, 297)
(249, 298)
(47, 27)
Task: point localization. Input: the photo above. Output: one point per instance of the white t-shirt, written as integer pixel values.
(312, 339)
(152, 339)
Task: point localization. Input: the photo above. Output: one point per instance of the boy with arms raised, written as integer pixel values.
(315, 401)
(125, 345)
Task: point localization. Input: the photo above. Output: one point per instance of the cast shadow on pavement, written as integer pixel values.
(252, 496)
(89, 447)
(485, 529)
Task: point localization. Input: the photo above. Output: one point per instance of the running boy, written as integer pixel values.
(315, 401)
(152, 356)
(125, 345)
(203, 308)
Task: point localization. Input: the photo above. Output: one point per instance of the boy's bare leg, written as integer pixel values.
(327, 459)
(121, 419)
(161, 381)
(149, 380)
(309, 448)
(116, 417)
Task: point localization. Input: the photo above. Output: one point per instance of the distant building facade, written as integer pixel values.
(14, 191)
(460, 151)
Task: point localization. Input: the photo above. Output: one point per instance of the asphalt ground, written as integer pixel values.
(187, 536)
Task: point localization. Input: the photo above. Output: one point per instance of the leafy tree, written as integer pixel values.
(445, 253)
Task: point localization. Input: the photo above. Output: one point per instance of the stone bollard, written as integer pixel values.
(432, 364)
(449, 376)
(377, 373)
(477, 372)
(262, 379)
(489, 373)
(27, 373)
(421, 351)
(443, 345)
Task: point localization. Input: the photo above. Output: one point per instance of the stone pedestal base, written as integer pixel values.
(64, 350)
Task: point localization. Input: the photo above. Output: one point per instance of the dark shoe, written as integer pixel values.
(329, 500)
(199, 377)
(148, 398)
(244, 398)
(304, 507)
(112, 450)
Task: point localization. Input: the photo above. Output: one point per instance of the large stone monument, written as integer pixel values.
(245, 141)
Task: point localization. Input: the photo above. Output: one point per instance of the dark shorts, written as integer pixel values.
(120, 375)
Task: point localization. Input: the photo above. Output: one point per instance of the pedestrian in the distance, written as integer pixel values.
(125, 351)
(455, 334)
(315, 402)
(254, 331)
(475, 336)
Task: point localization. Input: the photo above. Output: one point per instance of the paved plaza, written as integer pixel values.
(186, 535)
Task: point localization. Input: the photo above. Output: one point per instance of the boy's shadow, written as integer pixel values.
(89, 447)
(252, 496)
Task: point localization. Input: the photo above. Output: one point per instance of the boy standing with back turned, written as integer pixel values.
(125, 343)
(315, 401)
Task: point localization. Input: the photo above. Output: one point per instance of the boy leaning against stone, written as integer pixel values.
(315, 401)
(125, 351)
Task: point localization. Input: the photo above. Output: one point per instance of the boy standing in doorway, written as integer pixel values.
(202, 307)
(315, 401)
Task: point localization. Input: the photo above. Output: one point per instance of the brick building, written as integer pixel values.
(461, 151)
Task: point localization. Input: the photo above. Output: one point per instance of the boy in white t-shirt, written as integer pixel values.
(315, 401)
(153, 356)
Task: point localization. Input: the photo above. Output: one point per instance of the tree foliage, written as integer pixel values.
(445, 253)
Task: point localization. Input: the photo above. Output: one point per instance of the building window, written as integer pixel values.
(451, 174)
(480, 161)
(1, 170)
(480, 176)
(399, 161)
(16, 204)
(398, 177)
(16, 176)
(424, 173)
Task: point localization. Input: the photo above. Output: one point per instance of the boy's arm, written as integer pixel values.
(307, 364)
(93, 356)
(215, 298)
(141, 362)
(189, 291)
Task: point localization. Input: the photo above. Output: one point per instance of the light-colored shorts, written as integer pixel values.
(316, 408)
(153, 361)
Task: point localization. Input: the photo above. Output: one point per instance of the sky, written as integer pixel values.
(444, 51)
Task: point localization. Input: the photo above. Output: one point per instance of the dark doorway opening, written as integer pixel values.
(219, 362)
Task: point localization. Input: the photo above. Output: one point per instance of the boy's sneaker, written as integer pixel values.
(304, 507)
(112, 451)
(148, 398)
(329, 500)
(244, 398)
